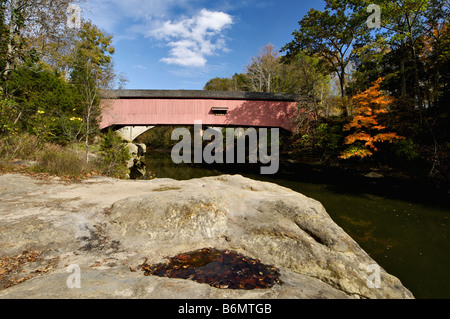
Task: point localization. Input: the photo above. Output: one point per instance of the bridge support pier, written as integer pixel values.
(130, 133)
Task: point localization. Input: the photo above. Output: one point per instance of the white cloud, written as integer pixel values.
(192, 40)
(138, 15)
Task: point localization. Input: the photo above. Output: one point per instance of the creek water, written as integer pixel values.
(407, 237)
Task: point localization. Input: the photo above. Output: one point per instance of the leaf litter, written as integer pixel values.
(17, 269)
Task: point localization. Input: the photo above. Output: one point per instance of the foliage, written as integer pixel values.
(331, 34)
(158, 137)
(92, 73)
(329, 137)
(47, 32)
(238, 82)
(411, 51)
(40, 109)
(366, 129)
(264, 70)
(39, 101)
(323, 141)
(12, 39)
(19, 146)
(7, 121)
(114, 155)
(56, 160)
(303, 74)
(4, 36)
(220, 84)
(406, 149)
(268, 72)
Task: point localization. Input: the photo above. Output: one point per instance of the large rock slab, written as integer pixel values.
(107, 227)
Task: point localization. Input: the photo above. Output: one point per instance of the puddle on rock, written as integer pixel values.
(222, 269)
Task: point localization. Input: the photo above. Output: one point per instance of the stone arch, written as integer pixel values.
(130, 133)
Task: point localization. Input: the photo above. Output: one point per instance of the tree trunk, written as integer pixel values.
(436, 89)
(342, 87)
(418, 95)
(88, 116)
(416, 78)
(11, 38)
(402, 73)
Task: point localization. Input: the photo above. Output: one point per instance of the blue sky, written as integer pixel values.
(181, 44)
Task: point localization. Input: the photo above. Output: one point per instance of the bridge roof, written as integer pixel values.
(200, 94)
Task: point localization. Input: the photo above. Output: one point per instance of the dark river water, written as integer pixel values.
(408, 238)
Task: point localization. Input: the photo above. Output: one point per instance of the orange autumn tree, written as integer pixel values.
(365, 127)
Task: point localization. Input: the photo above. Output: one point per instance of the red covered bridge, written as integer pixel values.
(136, 111)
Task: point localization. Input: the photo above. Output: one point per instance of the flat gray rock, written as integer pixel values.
(105, 228)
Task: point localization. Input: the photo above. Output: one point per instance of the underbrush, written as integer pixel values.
(19, 146)
(57, 160)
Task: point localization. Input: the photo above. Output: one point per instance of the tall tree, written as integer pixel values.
(14, 41)
(40, 21)
(264, 69)
(238, 82)
(403, 25)
(219, 84)
(92, 74)
(304, 75)
(332, 34)
(4, 36)
(435, 53)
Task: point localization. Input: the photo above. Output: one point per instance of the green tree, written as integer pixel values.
(410, 50)
(372, 61)
(304, 75)
(219, 84)
(114, 155)
(92, 74)
(8, 126)
(40, 100)
(403, 25)
(332, 35)
(435, 53)
(238, 82)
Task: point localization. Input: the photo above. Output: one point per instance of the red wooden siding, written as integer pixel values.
(186, 111)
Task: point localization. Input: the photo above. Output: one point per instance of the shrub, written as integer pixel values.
(19, 146)
(365, 126)
(114, 155)
(406, 149)
(41, 98)
(57, 160)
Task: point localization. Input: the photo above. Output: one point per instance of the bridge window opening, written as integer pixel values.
(219, 111)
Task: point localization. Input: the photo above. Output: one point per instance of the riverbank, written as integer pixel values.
(387, 182)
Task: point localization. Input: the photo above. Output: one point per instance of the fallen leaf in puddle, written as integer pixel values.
(220, 269)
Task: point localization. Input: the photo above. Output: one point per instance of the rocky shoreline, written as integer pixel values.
(136, 163)
(105, 228)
